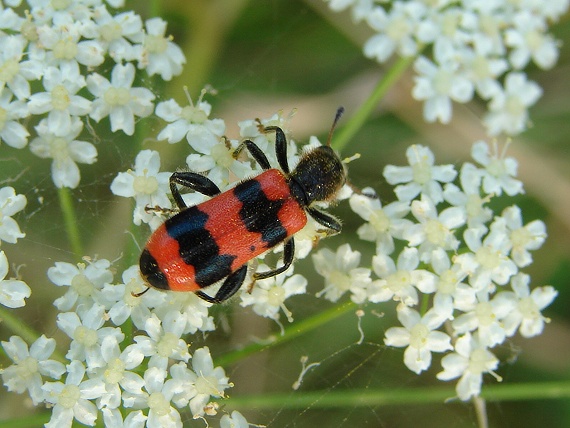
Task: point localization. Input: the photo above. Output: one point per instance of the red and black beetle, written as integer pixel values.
(216, 239)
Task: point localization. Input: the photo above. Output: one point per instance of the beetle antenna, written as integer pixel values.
(139, 294)
(339, 113)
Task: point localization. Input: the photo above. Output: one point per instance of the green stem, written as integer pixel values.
(70, 220)
(155, 8)
(391, 397)
(17, 326)
(290, 333)
(343, 399)
(480, 405)
(358, 119)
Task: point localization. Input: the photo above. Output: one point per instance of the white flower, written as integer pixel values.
(422, 176)
(236, 420)
(186, 380)
(113, 418)
(159, 54)
(210, 381)
(163, 340)
(45, 12)
(528, 39)
(60, 100)
(307, 237)
(85, 283)
(161, 414)
(15, 73)
(468, 198)
(192, 122)
(146, 184)
(434, 230)
(126, 306)
(395, 31)
(523, 238)
(12, 132)
(218, 160)
(64, 46)
(552, 9)
(508, 109)
(452, 293)
(190, 307)
(9, 20)
(268, 295)
(444, 28)
(486, 22)
(254, 130)
(12, 291)
(29, 366)
(61, 145)
(360, 8)
(526, 316)
(117, 371)
(10, 204)
(118, 99)
(437, 85)
(342, 273)
(117, 4)
(87, 334)
(486, 317)
(499, 171)
(383, 223)
(399, 280)
(483, 69)
(488, 261)
(470, 360)
(71, 400)
(419, 336)
(118, 32)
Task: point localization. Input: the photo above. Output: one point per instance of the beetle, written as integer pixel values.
(216, 239)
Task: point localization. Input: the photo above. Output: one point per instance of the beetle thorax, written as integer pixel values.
(320, 175)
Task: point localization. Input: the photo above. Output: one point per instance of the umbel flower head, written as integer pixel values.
(56, 50)
(457, 254)
(465, 49)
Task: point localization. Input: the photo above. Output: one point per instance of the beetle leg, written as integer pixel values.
(230, 287)
(288, 255)
(325, 219)
(256, 153)
(197, 182)
(280, 147)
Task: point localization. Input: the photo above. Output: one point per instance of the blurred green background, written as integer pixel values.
(265, 56)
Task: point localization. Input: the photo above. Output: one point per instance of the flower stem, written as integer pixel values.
(155, 8)
(20, 328)
(17, 326)
(291, 332)
(70, 220)
(481, 411)
(358, 119)
(390, 396)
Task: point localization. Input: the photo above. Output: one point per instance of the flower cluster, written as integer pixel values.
(151, 377)
(59, 46)
(438, 212)
(12, 291)
(465, 48)
(439, 246)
